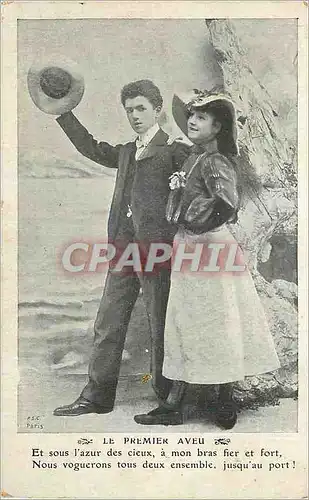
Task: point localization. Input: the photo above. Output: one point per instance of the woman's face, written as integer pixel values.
(202, 127)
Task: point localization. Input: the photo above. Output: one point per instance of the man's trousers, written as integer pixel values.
(119, 296)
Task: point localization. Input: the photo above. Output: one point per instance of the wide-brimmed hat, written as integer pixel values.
(184, 103)
(55, 85)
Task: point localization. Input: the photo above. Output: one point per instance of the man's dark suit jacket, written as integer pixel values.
(150, 188)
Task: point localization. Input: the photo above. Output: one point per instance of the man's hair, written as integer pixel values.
(145, 88)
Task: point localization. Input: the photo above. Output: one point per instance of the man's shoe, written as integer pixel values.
(160, 416)
(226, 415)
(80, 407)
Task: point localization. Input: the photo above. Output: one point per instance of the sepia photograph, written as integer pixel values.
(154, 250)
(157, 225)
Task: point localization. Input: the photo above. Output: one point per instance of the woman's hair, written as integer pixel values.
(249, 184)
(222, 114)
(144, 88)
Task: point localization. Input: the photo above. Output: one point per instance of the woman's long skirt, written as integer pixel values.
(216, 330)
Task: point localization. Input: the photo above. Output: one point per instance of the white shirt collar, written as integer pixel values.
(144, 139)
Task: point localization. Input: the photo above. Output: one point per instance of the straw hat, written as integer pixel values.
(183, 103)
(55, 85)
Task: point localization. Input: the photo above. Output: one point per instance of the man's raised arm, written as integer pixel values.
(100, 152)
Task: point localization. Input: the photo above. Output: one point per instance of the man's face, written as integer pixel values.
(141, 114)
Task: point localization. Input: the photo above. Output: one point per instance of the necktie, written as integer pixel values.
(140, 146)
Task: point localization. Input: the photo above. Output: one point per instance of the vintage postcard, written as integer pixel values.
(154, 250)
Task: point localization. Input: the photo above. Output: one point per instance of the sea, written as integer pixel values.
(57, 308)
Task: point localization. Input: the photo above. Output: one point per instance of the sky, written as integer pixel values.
(175, 54)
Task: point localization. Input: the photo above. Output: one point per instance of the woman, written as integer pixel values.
(216, 331)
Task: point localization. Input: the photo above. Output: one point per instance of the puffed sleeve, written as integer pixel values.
(220, 179)
(219, 203)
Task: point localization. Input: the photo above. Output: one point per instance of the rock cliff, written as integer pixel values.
(267, 226)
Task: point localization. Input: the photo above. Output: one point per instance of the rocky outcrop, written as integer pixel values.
(269, 210)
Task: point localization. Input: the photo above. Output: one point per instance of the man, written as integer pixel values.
(137, 215)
